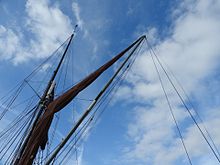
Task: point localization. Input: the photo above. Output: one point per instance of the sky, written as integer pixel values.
(137, 127)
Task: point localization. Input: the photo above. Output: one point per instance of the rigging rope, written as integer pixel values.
(22, 83)
(86, 124)
(171, 110)
(9, 142)
(73, 103)
(184, 104)
(111, 91)
(64, 68)
(192, 106)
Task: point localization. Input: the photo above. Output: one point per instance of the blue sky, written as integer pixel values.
(137, 128)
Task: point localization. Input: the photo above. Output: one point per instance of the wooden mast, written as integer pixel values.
(43, 102)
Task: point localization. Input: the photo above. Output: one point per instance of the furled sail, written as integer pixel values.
(40, 132)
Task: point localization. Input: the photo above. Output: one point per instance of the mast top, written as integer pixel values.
(74, 30)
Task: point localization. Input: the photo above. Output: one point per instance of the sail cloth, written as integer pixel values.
(40, 132)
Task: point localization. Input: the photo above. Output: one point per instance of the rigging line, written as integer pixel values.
(18, 119)
(92, 116)
(76, 137)
(11, 140)
(32, 89)
(119, 82)
(113, 91)
(127, 68)
(78, 98)
(23, 101)
(136, 44)
(73, 103)
(184, 104)
(23, 148)
(140, 47)
(37, 68)
(8, 134)
(18, 146)
(76, 134)
(83, 133)
(37, 159)
(53, 134)
(10, 158)
(15, 122)
(20, 141)
(12, 131)
(170, 108)
(67, 60)
(11, 90)
(12, 101)
(191, 104)
(59, 78)
(17, 135)
(14, 96)
(107, 94)
(58, 82)
(42, 156)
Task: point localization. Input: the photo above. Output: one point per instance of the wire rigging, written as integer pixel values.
(184, 104)
(108, 94)
(193, 107)
(93, 115)
(170, 109)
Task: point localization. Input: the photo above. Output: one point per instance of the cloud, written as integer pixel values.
(85, 28)
(8, 43)
(192, 53)
(79, 21)
(48, 27)
(76, 11)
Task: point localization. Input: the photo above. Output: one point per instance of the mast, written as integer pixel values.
(41, 129)
(43, 101)
(91, 106)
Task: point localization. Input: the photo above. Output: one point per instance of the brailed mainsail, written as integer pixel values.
(40, 132)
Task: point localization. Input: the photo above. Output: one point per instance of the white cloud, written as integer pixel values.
(192, 52)
(9, 42)
(47, 25)
(79, 21)
(76, 11)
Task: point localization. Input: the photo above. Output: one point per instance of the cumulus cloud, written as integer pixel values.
(47, 24)
(192, 53)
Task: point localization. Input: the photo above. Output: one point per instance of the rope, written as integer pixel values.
(171, 110)
(118, 82)
(184, 104)
(193, 107)
(102, 100)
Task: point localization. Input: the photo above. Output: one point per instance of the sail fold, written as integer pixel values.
(40, 132)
